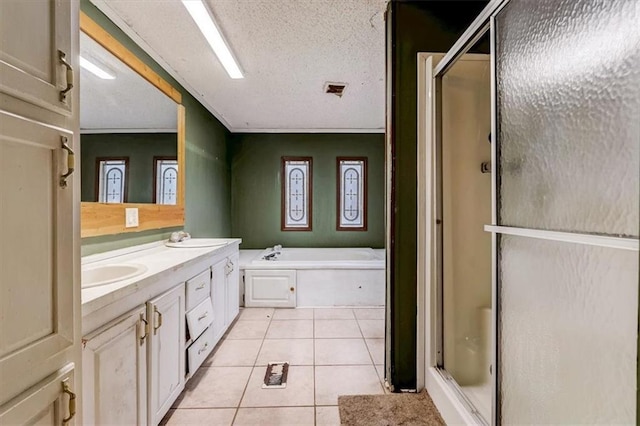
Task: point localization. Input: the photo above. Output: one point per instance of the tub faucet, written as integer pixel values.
(271, 256)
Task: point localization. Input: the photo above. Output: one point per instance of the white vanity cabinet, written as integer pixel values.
(136, 366)
(115, 371)
(166, 354)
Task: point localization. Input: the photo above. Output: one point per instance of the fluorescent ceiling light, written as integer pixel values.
(95, 70)
(201, 16)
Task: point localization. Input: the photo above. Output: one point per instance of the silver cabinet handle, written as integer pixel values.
(203, 348)
(203, 316)
(71, 162)
(63, 93)
(200, 287)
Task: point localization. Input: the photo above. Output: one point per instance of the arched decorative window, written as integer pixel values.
(166, 180)
(296, 193)
(111, 179)
(351, 194)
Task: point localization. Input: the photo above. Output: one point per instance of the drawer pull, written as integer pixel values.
(203, 348)
(203, 316)
(200, 287)
(72, 401)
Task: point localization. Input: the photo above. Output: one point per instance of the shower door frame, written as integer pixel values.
(430, 356)
(430, 266)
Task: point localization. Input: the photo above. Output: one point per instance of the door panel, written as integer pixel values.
(45, 404)
(36, 288)
(233, 295)
(115, 372)
(568, 327)
(167, 354)
(568, 148)
(219, 298)
(30, 68)
(569, 116)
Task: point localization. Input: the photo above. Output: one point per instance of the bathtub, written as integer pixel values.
(306, 277)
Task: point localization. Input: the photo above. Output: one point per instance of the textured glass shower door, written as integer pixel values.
(568, 148)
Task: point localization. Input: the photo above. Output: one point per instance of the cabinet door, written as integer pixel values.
(114, 372)
(219, 298)
(32, 33)
(36, 260)
(233, 288)
(50, 402)
(166, 351)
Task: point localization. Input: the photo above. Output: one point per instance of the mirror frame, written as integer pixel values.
(107, 219)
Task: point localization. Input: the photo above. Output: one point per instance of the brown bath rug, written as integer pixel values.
(409, 409)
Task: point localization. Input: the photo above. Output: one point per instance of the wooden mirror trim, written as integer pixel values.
(107, 219)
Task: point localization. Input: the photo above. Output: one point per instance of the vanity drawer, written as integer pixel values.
(200, 318)
(199, 350)
(198, 289)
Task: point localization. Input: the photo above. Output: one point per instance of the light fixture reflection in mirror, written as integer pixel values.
(128, 133)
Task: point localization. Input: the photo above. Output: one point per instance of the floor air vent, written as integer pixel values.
(276, 375)
(335, 88)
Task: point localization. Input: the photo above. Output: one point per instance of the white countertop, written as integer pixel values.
(155, 256)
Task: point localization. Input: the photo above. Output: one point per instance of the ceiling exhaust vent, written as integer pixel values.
(335, 88)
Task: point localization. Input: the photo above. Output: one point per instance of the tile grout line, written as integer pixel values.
(252, 369)
(315, 415)
(373, 363)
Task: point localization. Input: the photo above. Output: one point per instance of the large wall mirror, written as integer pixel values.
(132, 139)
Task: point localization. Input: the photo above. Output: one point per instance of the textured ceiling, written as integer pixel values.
(129, 103)
(287, 50)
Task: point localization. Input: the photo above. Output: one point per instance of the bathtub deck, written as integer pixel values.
(289, 285)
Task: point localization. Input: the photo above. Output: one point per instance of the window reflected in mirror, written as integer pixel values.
(111, 179)
(166, 180)
(122, 115)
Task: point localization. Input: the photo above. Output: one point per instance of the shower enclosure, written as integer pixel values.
(563, 221)
(466, 208)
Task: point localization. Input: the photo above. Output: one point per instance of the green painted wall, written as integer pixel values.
(412, 27)
(256, 188)
(139, 147)
(208, 186)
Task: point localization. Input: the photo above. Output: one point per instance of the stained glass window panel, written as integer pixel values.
(296, 197)
(352, 194)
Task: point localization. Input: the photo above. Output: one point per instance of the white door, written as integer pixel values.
(115, 372)
(233, 291)
(166, 351)
(38, 296)
(36, 287)
(36, 43)
(219, 298)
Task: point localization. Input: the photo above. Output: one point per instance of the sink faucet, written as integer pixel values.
(178, 237)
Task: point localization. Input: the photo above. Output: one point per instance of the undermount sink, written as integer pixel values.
(107, 274)
(198, 242)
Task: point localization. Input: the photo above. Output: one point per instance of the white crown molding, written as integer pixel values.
(242, 130)
(120, 23)
(154, 130)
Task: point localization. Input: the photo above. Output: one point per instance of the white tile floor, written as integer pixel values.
(337, 351)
